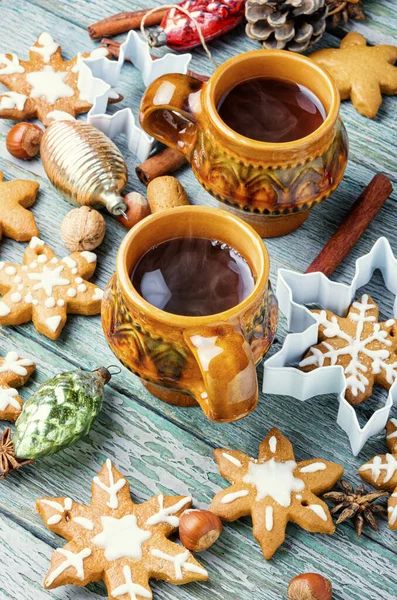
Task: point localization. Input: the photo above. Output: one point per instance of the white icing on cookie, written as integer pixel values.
(377, 467)
(318, 510)
(53, 322)
(167, 515)
(113, 488)
(98, 294)
(394, 433)
(49, 84)
(97, 53)
(231, 459)
(228, 498)
(10, 270)
(35, 241)
(48, 279)
(313, 468)
(11, 100)
(61, 302)
(121, 538)
(4, 309)
(273, 444)
(16, 365)
(45, 46)
(82, 288)
(8, 398)
(11, 65)
(30, 300)
(129, 587)
(49, 302)
(2, 263)
(180, 562)
(20, 287)
(54, 259)
(78, 280)
(72, 560)
(269, 518)
(33, 265)
(54, 520)
(89, 256)
(392, 513)
(60, 115)
(16, 297)
(17, 279)
(84, 522)
(71, 292)
(274, 479)
(71, 263)
(42, 258)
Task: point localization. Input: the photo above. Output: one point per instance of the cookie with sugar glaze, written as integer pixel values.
(14, 373)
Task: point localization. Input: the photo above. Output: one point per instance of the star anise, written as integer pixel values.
(8, 461)
(343, 10)
(357, 505)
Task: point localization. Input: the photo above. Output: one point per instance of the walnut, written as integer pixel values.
(83, 229)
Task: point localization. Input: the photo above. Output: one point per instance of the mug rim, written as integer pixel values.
(246, 142)
(124, 275)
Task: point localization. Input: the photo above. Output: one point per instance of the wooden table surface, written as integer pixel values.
(168, 449)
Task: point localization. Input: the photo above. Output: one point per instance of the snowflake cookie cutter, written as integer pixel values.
(294, 292)
(98, 76)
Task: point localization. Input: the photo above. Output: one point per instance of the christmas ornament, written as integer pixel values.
(357, 505)
(287, 25)
(60, 412)
(213, 17)
(381, 472)
(340, 11)
(117, 541)
(84, 165)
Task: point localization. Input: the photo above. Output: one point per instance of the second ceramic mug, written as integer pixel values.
(187, 361)
(273, 186)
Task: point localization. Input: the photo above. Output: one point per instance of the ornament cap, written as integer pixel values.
(156, 38)
(104, 374)
(114, 202)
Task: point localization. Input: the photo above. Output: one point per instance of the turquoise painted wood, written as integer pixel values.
(159, 447)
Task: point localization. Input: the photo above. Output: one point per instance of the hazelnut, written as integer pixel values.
(23, 140)
(137, 209)
(310, 586)
(199, 529)
(83, 229)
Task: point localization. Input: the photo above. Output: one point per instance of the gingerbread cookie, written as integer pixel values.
(44, 87)
(381, 472)
(15, 197)
(45, 289)
(14, 373)
(274, 490)
(113, 539)
(363, 347)
(362, 73)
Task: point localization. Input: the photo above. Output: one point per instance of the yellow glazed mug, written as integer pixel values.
(273, 186)
(187, 361)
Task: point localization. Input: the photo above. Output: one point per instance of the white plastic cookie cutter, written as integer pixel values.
(294, 292)
(98, 76)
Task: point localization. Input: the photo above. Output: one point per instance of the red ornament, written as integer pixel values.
(215, 17)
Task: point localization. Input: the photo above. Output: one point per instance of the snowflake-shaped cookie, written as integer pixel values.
(381, 471)
(113, 539)
(365, 348)
(45, 289)
(16, 197)
(274, 489)
(14, 373)
(46, 86)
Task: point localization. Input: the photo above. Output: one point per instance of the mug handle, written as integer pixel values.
(229, 387)
(166, 113)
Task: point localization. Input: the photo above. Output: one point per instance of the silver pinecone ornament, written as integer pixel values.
(286, 24)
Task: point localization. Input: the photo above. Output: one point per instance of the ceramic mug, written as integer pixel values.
(186, 361)
(273, 186)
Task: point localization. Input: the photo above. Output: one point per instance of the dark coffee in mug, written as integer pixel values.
(271, 110)
(193, 277)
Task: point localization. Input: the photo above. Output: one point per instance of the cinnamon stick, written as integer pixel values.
(124, 21)
(356, 222)
(114, 49)
(165, 162)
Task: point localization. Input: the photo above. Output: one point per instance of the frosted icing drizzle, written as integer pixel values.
(113, 488)
(274, 479)
(167, 515)
(8, 398)
(130, 588)
(17, 365)
(389, 468)
(313, 467)
(11, 65)
(232, 459)
(180, 562)
(49, 85)
(355, 371)
(10, 100)
(121, 537)
(45, 46)
(234, 496)
(72, 560)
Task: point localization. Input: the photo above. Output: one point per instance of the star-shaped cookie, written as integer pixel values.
(362, 73)
(365, 348)
(44, 87)
(114, 540)
(381, 471)
(14, 373)
(15, 197)
(274, 489)
(45, 289)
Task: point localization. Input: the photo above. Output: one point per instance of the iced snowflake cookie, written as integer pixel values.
(274, 490)
(45, 289)
(14, 373)
(16, 197)
(113, 539)
(381, 471)
(365, 348)
(45, 86)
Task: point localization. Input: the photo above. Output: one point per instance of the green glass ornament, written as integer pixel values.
(59, 413)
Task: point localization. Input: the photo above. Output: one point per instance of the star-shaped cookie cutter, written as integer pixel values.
(98, 76)
(295, 291)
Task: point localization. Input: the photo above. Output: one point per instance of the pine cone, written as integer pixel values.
(340, 11)
(286, 24)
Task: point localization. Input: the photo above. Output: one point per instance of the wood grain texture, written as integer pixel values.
(160, 447)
